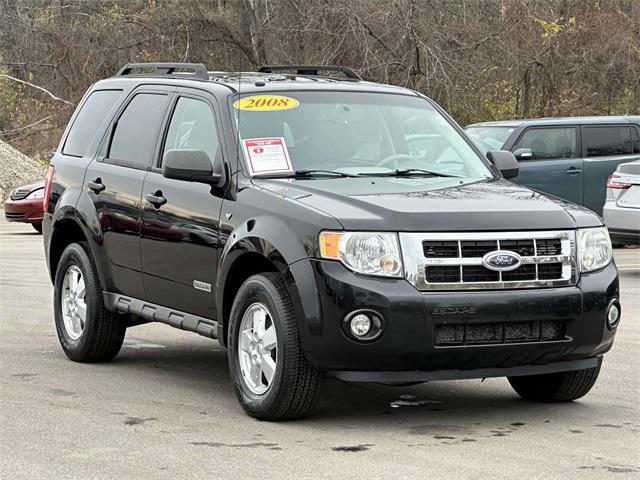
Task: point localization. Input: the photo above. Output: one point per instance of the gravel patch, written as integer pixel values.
(16, 169)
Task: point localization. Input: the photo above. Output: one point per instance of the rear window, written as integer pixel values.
(607, 141)
(135, 134)
(86, 124)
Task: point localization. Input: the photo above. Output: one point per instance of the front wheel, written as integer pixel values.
(87, 331)
(37, 227)
(271, 376)
(556, 387)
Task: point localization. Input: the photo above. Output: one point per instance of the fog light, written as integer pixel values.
(363, 325)
(360, 325)
(613, 314)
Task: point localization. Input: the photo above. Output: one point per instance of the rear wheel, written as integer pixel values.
(37, 227)
(556, 387)
(87, 331)
(271, 376)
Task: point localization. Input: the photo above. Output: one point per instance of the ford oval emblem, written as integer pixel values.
(501, 260)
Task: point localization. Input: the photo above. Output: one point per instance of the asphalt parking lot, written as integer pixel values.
(164, 408)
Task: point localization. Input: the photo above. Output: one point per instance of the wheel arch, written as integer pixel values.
(65, 231)
(256, 246)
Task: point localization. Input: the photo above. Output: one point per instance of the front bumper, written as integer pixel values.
(28, 211)
(407, 349)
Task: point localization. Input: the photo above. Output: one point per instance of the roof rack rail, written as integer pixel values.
(161, 69)
(312, 70)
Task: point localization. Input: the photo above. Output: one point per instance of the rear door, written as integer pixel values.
(556, 166)
(180, 238)
(605, 147)
(114, 183)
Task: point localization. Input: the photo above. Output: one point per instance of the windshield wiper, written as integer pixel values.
(407, 172)
(306, 174)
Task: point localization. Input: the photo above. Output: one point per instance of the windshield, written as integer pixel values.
(489, 138)
(351, 133)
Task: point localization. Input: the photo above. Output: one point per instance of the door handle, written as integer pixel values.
(573, 171)
(156, 199)
(97, 186)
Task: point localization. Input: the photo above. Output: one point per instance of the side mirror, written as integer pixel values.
(523, 154)
(190, 166)
(505, 162)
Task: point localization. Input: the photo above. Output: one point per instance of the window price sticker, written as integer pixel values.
(267, 155)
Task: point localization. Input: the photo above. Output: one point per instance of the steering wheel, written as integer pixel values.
(396, 157)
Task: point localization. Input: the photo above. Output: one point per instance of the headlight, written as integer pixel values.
(39, 193)
(594, 248)
(370, 253)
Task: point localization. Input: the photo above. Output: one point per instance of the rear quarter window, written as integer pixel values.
(636, 140)
(86, 124)
(608, 141)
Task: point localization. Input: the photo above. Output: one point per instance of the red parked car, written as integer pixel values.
(25, 205)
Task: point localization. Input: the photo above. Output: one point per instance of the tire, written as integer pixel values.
(556, 387)
(100, 337)
(294, 387)
(37, 227)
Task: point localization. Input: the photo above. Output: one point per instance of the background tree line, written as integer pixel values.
(480, 59)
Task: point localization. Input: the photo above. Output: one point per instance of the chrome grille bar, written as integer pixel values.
(416, 263)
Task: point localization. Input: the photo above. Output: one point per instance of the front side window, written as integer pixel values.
(356, 133)
(86, 125)
(193, 127)
(547, 143)
(136, 131)
(489, 138)
(608, 141)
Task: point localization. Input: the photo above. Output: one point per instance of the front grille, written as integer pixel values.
(443, 274)
(478, 273)
(549, 246)
(445, 261)
(499, 333)
(13, 216)
(478, 248)
(440, 249)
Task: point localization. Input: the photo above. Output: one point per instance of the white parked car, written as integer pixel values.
(621, 210)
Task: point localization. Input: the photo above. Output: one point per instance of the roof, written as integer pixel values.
(269, 78)
(560, 121)
(258, 81)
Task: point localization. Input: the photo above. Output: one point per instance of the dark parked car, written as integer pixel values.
(567, 157)
(25, 205)
(318, 224)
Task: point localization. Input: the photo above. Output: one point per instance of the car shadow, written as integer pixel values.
(462, 410)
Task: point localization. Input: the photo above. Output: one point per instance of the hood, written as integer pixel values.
(32, 186)
(433, 204)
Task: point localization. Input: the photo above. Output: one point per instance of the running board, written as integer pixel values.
(151, 312)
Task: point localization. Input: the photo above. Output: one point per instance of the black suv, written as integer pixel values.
(315, 223)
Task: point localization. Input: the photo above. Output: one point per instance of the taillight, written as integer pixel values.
(47, 188)
(613, 182)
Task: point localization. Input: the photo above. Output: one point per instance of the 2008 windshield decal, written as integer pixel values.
(265, 103)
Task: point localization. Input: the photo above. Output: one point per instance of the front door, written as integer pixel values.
(556, 165)
(114, 184)
(180, 237)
